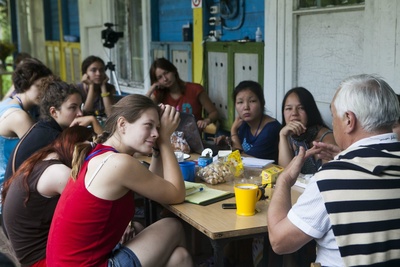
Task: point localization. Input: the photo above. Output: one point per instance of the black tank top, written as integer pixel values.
(28, 225)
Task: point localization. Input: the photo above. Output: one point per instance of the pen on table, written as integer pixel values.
(195, 191)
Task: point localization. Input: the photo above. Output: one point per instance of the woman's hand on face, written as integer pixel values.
(293, 128)
(153, 88)
(105, 80)
(236, 124)
(86, 79)
(169, 121)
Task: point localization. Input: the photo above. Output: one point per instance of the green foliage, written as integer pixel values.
(6, 79)
(6, 49)
(5, 29)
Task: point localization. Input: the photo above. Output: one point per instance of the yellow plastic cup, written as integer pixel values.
(247, 196)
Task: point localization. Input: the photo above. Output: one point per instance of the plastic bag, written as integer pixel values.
(223, 170)
(179, 142)
(216, 173)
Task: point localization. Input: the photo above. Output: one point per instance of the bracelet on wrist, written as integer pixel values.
(105, 94)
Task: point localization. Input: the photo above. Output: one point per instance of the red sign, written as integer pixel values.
(196, 3)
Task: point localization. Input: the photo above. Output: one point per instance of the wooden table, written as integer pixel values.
(222, 226)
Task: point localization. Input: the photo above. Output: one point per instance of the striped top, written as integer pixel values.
(361, 191)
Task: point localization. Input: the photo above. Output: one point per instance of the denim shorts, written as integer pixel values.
(122, 256)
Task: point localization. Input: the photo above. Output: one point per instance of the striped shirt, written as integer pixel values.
(361, 191)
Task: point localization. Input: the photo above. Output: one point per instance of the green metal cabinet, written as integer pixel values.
(227, 64)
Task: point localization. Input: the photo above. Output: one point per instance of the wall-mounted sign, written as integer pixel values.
(196, 3)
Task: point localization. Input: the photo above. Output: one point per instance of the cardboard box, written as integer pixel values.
(270, 174)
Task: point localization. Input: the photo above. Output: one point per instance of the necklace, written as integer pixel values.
(19, 101)
(258, 128)
(255, 136)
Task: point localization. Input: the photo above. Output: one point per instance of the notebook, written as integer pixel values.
(202, 195)
(255, 162)
(188, 126)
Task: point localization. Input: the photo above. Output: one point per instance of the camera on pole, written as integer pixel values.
(110, 36)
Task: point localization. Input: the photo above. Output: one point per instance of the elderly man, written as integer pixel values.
(351, 206)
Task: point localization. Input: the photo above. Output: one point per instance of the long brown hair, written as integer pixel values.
(130, 107)
(63, 146)
(165, 64)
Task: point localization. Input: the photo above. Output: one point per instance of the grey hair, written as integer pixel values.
(371, 99)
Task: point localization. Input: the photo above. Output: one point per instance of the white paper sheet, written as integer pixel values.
(256, 163)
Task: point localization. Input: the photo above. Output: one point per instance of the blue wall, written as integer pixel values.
(172, 15)
(51, 21)
(70, 18)
(253, 17)
(168, 16)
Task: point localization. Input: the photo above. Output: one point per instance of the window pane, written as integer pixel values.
(327, 3)
(129, 49)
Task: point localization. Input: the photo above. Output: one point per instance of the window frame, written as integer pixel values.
(124, 47)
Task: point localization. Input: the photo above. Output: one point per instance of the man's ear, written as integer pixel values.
(350, 121)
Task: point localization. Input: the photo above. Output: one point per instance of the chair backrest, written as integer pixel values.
(188, 126)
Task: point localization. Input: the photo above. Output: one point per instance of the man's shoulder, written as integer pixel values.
(370, 160)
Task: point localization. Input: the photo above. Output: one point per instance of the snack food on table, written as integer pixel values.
(179, 142)
(215, 173)
(222, 171)
(269, 175)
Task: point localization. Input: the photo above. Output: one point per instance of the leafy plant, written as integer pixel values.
(4, 14)
(6, 49)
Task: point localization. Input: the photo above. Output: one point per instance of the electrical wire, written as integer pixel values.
(226, 12)
(238, 10)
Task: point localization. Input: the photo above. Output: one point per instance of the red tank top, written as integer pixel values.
(86, 228)
(189, 102)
